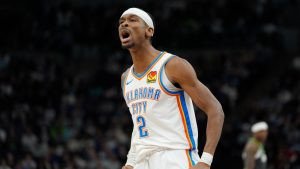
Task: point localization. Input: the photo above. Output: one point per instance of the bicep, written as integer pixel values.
(186, 77)
(201, 95)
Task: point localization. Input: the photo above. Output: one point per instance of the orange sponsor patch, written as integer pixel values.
(151, 77)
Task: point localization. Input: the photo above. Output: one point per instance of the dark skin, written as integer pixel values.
(142, 52)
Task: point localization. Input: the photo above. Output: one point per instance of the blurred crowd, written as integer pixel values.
(61, 104)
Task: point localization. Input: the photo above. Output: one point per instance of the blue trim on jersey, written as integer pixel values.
(187, 118)
(191, 156)
(139, 75)
(160, 78)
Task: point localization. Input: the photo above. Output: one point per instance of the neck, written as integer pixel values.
(143, 57)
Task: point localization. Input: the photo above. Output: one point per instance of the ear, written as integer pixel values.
(149, 32)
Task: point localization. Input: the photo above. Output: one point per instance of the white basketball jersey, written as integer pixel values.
(163, 115)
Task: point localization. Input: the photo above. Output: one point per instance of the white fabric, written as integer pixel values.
(206, 158)
(140, 13)
(260, 126)
(169, 159)
(131, 153)
(163, 121)
(260, 154)
(167, 82)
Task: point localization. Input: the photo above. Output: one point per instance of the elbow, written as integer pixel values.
(215, 111)
(216, 115)
(219, 111)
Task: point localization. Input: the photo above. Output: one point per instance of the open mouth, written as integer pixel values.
(125, 35)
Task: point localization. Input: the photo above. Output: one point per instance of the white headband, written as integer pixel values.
(260, 126)
(140, 13)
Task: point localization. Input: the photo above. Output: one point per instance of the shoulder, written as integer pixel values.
(178, 64)
(124, 74)
(123, 77)
(175, 61)
(179, 69)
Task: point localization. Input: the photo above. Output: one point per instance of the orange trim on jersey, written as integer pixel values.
(183, 121)
(181, 113)
(180, 107)
(153, 64)
(189, 158)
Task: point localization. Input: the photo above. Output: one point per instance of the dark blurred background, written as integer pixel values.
(61, 105)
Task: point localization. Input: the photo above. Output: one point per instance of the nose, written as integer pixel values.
(124, 24)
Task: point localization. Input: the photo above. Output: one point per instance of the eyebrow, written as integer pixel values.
(129, 16)
(133, 16)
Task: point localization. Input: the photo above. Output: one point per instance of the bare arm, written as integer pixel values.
(250, 151)
(131, 153)
(123, 78)
(180, 71)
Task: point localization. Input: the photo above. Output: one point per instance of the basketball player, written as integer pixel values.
(254, 154)
(159, 88)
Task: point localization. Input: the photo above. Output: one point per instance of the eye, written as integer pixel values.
(133, 19)
(121, 21)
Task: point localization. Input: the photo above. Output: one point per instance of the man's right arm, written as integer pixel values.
(130, 163)
(131, 153)
(131, 157)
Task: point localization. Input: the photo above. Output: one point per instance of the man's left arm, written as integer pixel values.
(186, 77)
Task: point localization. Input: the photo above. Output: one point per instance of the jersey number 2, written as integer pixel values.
(142, 124)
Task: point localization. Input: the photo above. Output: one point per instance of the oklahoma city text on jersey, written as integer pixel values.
(142, 93)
